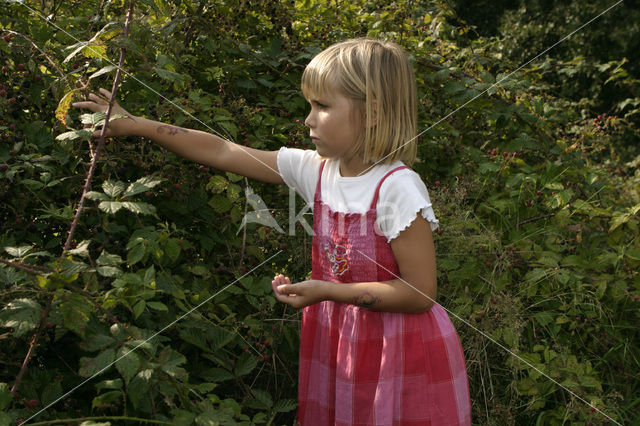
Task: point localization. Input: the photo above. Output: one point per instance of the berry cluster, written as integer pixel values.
(603, 122)
(493, 155)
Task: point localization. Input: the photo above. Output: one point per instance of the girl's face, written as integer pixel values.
(333, 124)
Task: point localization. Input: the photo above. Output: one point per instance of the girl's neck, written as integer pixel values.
(352, 167)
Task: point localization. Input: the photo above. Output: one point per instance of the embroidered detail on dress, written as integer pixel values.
(337, 259)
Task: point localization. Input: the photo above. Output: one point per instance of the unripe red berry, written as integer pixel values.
(32, 403)
(5, 69)
(21, 67)
(7, 38)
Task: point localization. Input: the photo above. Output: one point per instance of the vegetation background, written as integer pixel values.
(533, 172)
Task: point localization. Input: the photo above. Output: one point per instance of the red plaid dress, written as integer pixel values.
(363, 367)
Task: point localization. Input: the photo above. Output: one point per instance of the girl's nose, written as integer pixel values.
(309, 121)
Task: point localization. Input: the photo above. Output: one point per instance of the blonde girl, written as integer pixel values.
(375, 348)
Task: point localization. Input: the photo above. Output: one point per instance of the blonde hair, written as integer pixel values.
(378, 78)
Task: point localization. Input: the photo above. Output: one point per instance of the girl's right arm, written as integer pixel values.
(196, 145)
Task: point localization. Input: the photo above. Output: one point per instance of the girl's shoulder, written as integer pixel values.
(299, 169)
(402, 196)
(405, 180)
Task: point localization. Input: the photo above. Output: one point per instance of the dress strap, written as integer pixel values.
(316, 197)
(375, 195)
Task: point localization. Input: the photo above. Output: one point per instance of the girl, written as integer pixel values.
(374, 346)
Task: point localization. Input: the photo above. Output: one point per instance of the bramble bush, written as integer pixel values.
(165, 297)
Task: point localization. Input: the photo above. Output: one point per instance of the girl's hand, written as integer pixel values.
(116, 127)
(298, 295)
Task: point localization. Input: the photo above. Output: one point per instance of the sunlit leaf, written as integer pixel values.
(63, 107)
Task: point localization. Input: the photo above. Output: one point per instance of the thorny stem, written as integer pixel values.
(87, 187)
(31, 268)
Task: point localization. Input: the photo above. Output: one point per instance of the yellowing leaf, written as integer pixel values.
(95, 50)
(63, 107)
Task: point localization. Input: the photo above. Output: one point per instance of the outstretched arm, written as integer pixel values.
(413, 292)
(196, 145)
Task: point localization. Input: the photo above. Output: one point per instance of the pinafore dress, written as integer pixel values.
(363, 367)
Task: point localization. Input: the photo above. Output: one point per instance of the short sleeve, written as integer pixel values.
(299, 170)
(403, 195)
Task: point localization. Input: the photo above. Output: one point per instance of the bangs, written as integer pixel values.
(319, 77)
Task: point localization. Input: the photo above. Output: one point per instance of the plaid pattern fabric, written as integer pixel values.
(362, 367)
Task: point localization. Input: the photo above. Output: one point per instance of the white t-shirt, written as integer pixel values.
(402, 194)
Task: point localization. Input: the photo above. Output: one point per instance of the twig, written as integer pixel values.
(87, 187)
(534, 219)
(31, 268)
(32, 346)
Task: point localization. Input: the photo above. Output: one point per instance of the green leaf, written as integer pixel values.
(110, 206)
(158, 306)
(245, 364)
(71, 268)
(141, 185)
(139, 207)
(113, 188)
(51, 392)
(261, 401)
(618, 219)
(109, 384)
(103, 70)
(136, 254)
(22, 315)
(82, 249)
(172, 249)
(96, 342)
(109, 271)
(82, 133)
(170, 360)
(216, 375)
(215, 418)
(106, 399)
(633, 253)
(285, 405)
(108, 259)
(172, 76)
(99, 364)
(75, 312)
(149, 275)
(220, 203)
(18, 251)
(128, 365)
(139, 386)
(138, 308)
(5, 396)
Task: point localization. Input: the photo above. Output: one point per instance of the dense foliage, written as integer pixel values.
(537, 192)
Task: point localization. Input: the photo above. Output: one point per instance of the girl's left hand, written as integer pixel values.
(298, 295)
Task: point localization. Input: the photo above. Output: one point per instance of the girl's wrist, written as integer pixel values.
(327, 290)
